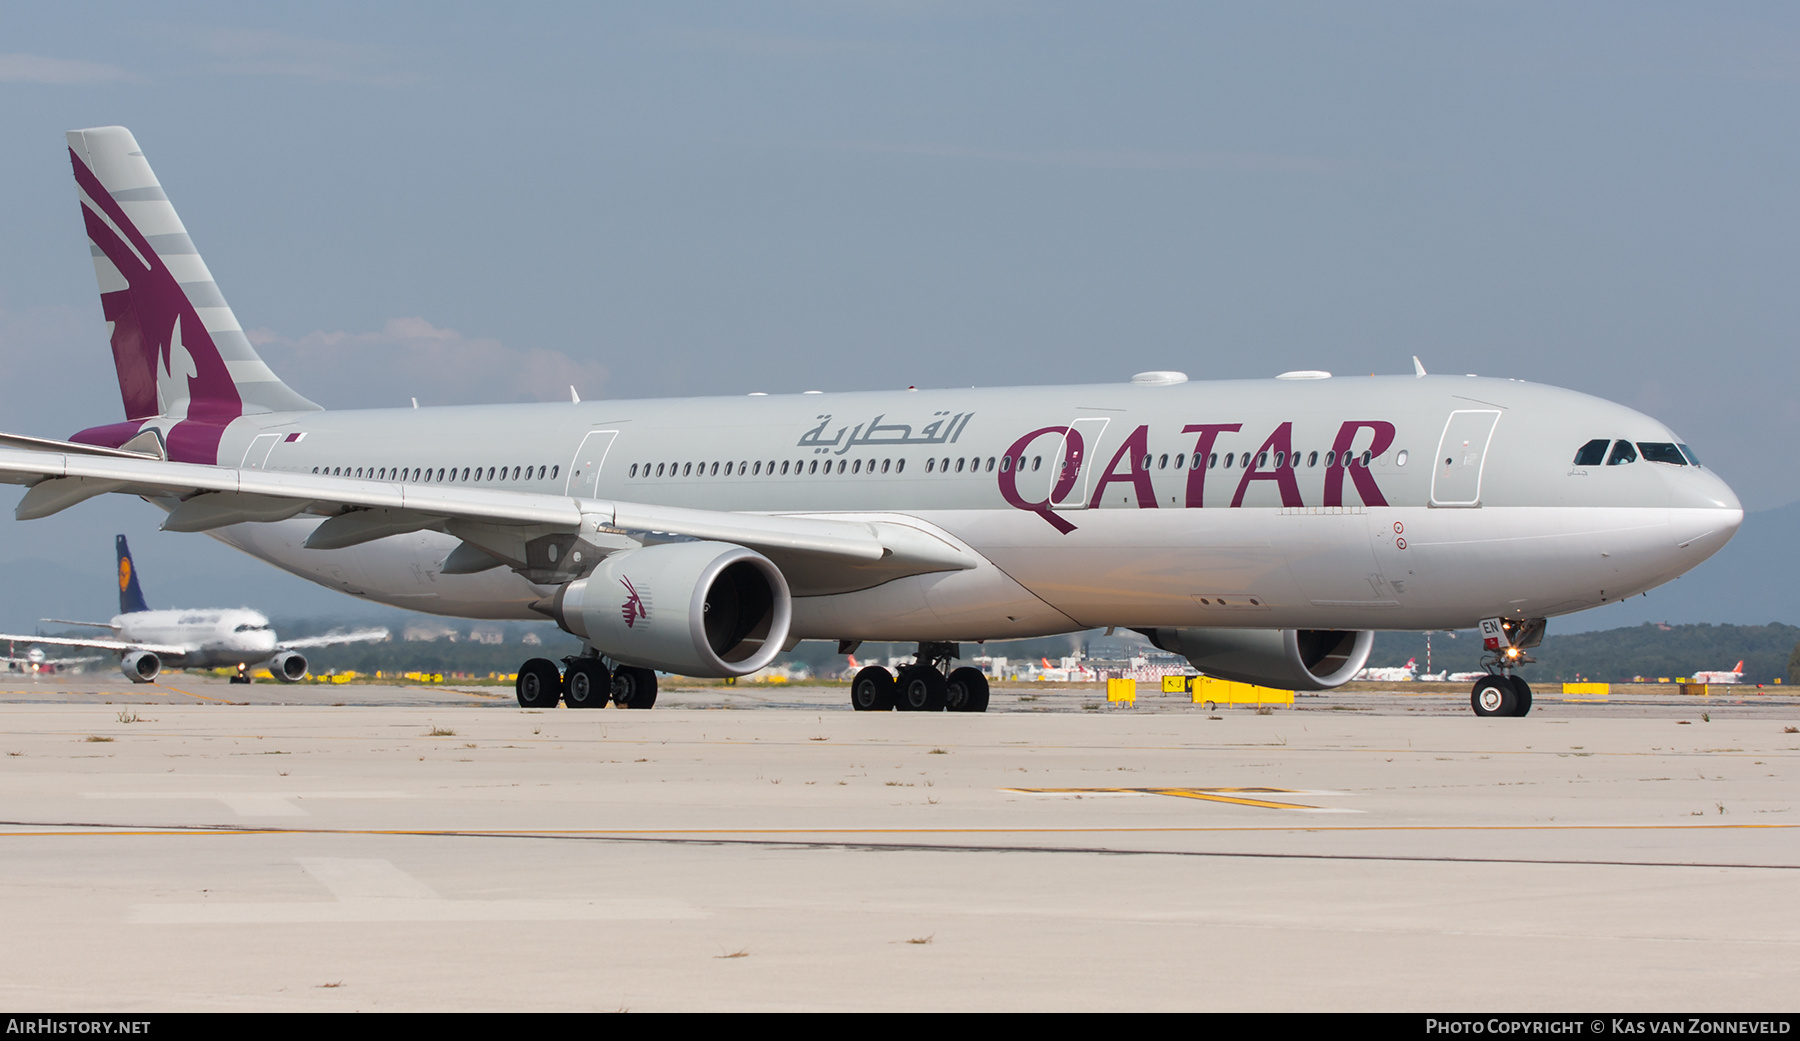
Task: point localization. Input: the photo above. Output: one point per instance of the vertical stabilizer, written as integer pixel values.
(184, 364)
(131, 595)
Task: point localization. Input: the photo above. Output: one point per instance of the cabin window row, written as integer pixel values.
(442, 474)
(1283, 459)
(758, 468)
(1595, 452)
(977, 464)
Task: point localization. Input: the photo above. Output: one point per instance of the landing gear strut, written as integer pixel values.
(587, 682)
(1500, 693)
(922, 686)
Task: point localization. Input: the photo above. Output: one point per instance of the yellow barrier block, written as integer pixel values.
(1230, 692)
(1121, 690)
(1601, 689)
(1700, 689)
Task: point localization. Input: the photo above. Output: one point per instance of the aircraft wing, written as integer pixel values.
(330, 639)
(102, 645)
(502, 525)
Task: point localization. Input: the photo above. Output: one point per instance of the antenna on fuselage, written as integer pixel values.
(1418, 366)
(574, 398)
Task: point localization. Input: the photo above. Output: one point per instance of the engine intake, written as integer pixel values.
(1292, 659)
(288, 666)
(140, 666)
(694, 608)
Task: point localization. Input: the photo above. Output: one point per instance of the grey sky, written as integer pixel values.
(669, 199)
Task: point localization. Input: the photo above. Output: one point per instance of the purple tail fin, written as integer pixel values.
(185, 367)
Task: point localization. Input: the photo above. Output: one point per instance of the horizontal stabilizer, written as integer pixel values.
(71, 621)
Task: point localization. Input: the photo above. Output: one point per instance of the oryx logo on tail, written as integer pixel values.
(183, 362)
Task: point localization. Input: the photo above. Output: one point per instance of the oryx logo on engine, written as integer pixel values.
(633, 607)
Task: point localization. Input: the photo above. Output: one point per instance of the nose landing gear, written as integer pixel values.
(1500, 693)
(1501, 696)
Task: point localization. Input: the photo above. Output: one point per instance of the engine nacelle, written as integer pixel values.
(1291, 659)
(140, 666)
(288, 666)
(694, 608)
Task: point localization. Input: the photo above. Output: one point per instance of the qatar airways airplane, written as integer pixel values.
(1261, 528)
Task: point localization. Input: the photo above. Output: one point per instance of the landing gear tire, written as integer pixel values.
(587, 684)
(1521, 696)
(539, 684)
(922, 689)
(1494, 696)
(966, 691)
(872, 690)
(633, 687)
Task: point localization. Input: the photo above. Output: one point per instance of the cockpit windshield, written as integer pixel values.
(1593, 453)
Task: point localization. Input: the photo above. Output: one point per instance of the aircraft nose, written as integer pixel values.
(1707, 514)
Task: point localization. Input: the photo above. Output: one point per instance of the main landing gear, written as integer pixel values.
(927, 685)
(586, 683)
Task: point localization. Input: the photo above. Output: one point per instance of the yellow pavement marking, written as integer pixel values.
(1205, 794)
(528, 832)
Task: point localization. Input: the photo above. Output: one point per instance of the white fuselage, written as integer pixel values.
(213, 636)
(1083, 504)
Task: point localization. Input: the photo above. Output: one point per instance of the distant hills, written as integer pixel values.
(1614, 655)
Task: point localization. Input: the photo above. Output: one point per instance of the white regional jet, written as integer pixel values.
(1735, 675)
(206, 638)
(1260, 528)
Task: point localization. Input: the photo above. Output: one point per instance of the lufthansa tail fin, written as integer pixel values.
(131, 595)
(184, 364)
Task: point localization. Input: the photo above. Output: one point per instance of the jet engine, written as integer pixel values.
(140, 666)
(694, 608)
(288, 666)
(1292, 659)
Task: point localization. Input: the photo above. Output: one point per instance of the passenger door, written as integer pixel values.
(1090, 431)
(256, 457)
(584, 470)
(1461, 456)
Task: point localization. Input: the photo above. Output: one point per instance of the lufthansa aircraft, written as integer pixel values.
(1261, 528)
(203, 638)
